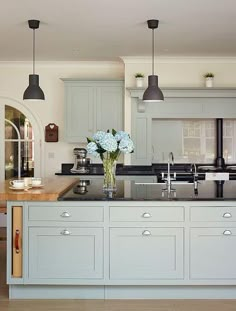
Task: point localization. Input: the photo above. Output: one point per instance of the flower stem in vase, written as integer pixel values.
(109, 166)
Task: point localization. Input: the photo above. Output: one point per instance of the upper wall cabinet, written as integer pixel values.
(91, 106)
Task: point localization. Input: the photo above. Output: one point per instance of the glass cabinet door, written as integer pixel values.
(19, 144)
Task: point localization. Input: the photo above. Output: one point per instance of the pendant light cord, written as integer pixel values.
(152, 51)
(33, 51)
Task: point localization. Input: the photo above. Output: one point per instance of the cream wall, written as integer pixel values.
(182, 72)
(172, 72)
(14, 80)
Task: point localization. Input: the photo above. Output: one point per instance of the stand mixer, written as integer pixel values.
(82, 163)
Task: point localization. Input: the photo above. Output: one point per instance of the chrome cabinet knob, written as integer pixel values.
(146, 233)
(227, 215)
(146, 215)
(65, 214)
(227, 232)
(65, 232)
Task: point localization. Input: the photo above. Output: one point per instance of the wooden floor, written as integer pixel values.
(118, 305)
(102, 305)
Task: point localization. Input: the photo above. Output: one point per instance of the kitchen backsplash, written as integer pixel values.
(191, 140)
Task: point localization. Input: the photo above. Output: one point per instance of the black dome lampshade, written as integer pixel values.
(153, 93)
(33, 91)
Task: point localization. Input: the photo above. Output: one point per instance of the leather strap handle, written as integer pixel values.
(17, 238)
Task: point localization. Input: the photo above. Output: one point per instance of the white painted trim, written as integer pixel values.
(2, 145)
(19, 145)
(121, 292)
(38, 134)
(178, 60)
(121, 61)
(63, 64)
(191, 92)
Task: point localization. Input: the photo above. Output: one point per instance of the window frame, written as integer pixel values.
(38, 135)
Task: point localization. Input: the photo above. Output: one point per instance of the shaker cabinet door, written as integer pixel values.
(58, 254)
(146, 253)
(109, 108)
(212, 253)
(79, 112)
(91, 106)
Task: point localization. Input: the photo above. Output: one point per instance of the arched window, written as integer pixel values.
(21, 155)
(19, 144)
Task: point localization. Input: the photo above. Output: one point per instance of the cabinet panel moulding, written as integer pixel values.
(218, 92)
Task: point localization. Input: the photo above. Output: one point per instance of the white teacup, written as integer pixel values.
(36, 181)
(17, 183)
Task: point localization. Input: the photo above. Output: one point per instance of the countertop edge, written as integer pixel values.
(54, 188)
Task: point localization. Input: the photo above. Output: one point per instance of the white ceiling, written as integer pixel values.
(73, 30)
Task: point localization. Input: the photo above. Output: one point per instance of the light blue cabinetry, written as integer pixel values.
(212, 253)
(79, 112)
(65, 243)
(59, 254)
(146, 253)
(91, 106)
(64, 213)
(141, 248)
(212, 243)
(104, 247)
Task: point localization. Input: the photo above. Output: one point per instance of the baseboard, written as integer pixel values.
(121, 292)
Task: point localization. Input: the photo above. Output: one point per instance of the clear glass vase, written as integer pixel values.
(109, 182)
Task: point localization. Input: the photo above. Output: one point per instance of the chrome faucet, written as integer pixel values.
(168, 178)
(170, 161)
(193, 169)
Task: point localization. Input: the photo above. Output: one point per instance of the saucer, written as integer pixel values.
(23, 188)
(36, 186)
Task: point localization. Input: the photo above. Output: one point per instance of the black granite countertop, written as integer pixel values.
(129, 189)
(182, 170)
(97, 170)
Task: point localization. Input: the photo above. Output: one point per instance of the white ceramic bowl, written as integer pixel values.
(36, 181)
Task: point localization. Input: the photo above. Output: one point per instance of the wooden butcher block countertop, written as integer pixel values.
(52, 188)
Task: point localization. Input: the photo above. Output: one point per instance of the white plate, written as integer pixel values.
(36, 186)
(24, 188)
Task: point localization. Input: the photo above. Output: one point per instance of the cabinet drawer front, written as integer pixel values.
(212, 253)
(60, 213)
(146, 253)
(143, 213)
(213, 213)
(65, 253)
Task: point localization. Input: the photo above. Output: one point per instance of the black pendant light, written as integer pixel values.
(33, 91)
(153, 93)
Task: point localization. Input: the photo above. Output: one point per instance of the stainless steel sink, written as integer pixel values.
(208, 168)
(231, 167)
(163, 183)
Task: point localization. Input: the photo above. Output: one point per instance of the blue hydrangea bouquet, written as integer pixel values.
(108, 146)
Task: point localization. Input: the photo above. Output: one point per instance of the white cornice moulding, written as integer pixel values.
(181, 60)
(63, 64)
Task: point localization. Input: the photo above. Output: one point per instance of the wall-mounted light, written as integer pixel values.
(153, 93)
(33, 91)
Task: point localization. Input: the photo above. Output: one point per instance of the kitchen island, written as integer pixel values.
(137, 243)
